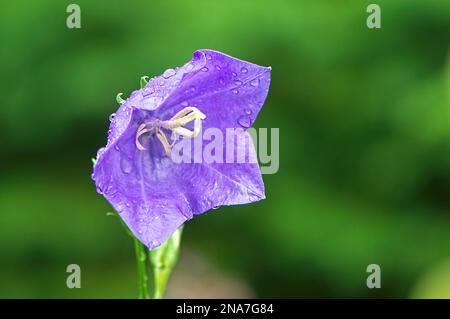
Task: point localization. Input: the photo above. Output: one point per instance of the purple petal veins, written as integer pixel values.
(153, 194)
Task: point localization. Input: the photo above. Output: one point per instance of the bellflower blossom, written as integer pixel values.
(155, 195)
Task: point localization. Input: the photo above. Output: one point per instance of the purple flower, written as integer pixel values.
(154, 194)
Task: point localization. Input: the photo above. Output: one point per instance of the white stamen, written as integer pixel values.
(174, 124)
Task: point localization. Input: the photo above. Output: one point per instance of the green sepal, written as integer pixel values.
(119, 98)
(144, 81)
(163, 259)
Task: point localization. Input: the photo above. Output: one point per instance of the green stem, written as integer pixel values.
(142, 269)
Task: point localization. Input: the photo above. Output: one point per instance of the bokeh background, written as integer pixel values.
(364, 147)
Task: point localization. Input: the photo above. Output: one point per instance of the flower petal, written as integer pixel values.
(229, 91)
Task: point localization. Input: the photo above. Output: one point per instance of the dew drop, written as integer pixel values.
(125, 165)
(248, 112)
(235, 91)
(233, 73)
(208, 57)
(112, 117)
(127, 204)
(101, 150)
(245, 121)
(204, 69)
(99, 190)
(148, 91)
(217, 68)
(192, 88)
(254, 82)
(237, 82)
(117, 148)
(244, 70)
(189, 66)
(151, 102)
(108, 190)
(169, 73)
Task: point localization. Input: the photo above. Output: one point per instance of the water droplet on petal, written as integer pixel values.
(217, 68)
(244, 70)
(112, 117)
(248, 112)
(254, 82)
(151, 102)
(108, 190)
(235, 91)
(169, 73)
(100, 151)
(189, 67)
(208, 57)
(99, 190)
(192, 88)
(237, 82)
(245, 121)
(117, 148)
(205, 69)
(127, 204)
(148, 91)
(125, 165)
(233, 73)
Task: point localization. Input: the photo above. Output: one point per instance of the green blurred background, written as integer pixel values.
(364, 147)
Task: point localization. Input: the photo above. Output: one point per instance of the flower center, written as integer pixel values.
(175, 124)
